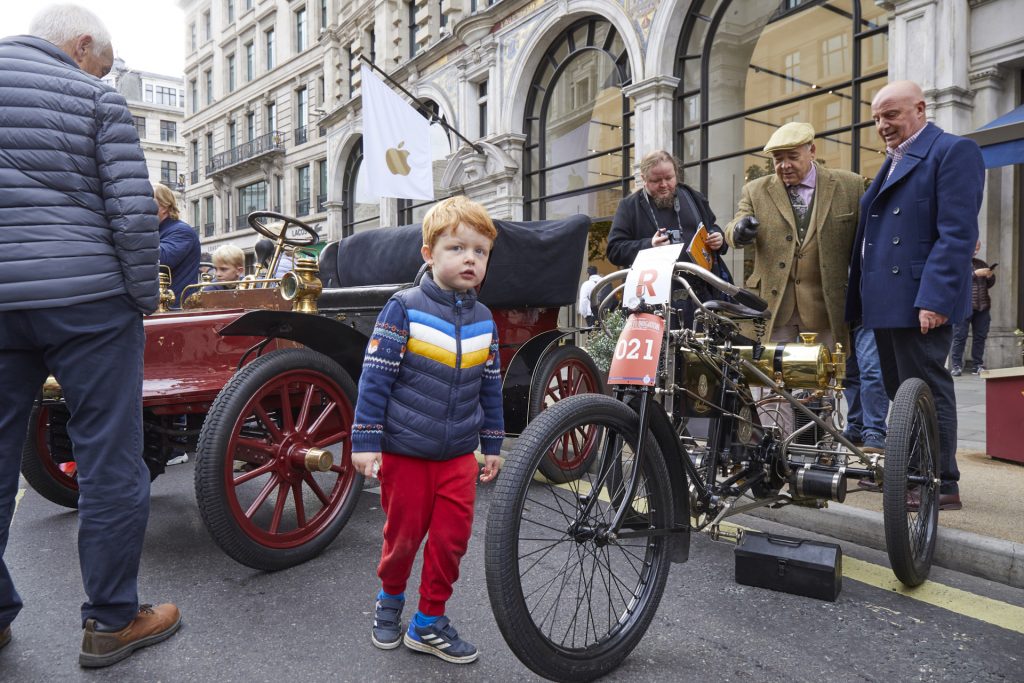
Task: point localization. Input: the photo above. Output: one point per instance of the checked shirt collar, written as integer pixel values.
(900, 151)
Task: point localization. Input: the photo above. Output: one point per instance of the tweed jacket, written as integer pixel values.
(779, 257)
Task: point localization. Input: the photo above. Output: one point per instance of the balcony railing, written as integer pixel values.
(208, 230)
(264, 144)
(321, 201)
(302, 207)
(301, 135)
(194, 177)
(241, 222)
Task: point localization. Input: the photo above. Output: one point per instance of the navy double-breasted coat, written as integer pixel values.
(916, 234)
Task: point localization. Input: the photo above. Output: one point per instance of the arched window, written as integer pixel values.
(749, 66)
(579, 143)
(359, 213)
(412, 210)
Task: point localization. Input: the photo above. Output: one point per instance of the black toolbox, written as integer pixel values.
(791, 565)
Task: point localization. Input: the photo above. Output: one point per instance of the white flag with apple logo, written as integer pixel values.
(396, 144)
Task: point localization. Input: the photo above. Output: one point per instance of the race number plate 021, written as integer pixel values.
(636, 353)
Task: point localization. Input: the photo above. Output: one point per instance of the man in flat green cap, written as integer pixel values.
(801, 223)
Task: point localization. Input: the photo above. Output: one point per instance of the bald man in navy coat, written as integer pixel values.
(910, 271)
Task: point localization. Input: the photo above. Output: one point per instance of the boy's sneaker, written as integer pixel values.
(956, 371)
(978, 369)
(441, 640)
(387, 623)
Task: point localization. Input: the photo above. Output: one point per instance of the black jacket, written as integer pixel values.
(633, 227)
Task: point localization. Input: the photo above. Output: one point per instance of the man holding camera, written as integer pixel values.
(665, 211)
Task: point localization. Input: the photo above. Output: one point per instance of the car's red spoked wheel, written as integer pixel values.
(570, 454)
(52, 475)
(563, 372)
(274, 479)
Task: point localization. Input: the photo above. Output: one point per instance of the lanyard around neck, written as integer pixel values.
(654, 215)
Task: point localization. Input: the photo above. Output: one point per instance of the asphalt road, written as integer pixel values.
(311, 623)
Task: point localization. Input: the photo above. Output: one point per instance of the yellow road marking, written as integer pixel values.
(17, 499)
(995, 612)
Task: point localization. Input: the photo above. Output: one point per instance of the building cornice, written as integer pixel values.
(991, 76)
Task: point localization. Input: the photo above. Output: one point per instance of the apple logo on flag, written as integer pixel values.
(397, 159)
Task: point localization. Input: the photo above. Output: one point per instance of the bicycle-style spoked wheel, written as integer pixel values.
(571, 599)
(910, 483)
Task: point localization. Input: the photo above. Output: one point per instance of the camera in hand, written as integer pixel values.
(675, 236)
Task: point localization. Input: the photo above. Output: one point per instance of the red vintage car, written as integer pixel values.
(260, 380)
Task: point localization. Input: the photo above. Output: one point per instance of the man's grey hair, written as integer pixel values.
(60, 24)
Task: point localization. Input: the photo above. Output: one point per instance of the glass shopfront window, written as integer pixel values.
(579, 149)
(748, 66)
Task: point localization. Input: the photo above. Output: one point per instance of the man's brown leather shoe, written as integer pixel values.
(150, 626)
(950, 501)
(5, 636)
(947, 501)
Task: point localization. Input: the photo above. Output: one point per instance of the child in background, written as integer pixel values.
(229, 262)
(429, 395)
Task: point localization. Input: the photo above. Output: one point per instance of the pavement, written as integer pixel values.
(985, 538)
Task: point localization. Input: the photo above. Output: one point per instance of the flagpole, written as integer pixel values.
(419, 106)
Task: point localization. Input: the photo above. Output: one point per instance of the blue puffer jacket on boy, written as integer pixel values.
(431, 382)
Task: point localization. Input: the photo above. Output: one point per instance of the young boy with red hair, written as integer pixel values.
(429, 395)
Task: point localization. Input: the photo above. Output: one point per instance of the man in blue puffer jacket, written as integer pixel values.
(78, 269)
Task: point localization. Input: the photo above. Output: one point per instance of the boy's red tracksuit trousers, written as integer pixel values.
(432, 498)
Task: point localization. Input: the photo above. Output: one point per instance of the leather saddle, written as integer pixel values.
(736, 311)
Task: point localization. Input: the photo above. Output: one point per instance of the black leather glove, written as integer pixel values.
(745, 231)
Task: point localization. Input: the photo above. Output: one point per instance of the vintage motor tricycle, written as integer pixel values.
(259, 378)
(704, 423)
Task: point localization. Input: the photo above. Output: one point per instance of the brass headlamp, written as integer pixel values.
(302, 285)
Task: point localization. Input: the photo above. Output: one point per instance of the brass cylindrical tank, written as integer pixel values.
(801, 365)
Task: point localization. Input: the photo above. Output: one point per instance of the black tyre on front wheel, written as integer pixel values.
(571, 600)
(46, 450)
(910, 483)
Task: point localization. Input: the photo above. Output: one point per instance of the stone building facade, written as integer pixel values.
(157, 105)
(562, 97)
